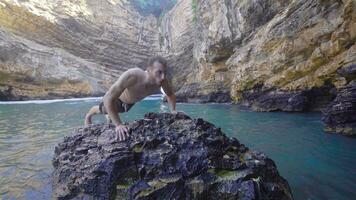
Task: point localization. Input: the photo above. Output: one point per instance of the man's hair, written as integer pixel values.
(159, 59)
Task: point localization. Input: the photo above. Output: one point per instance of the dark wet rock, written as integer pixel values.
(349, 70)
(167, 156)
(191, 93)
(216, 97)
(272, 99)
(275, 100)
(340, 115)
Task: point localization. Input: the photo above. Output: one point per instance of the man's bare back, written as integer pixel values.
(140, 88)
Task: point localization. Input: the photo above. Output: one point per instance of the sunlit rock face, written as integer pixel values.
(155, 7)
(176, 40)
(270, 55)
(272, 49)
(53, 49)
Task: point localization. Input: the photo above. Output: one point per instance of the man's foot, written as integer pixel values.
(87, 120)
(93, 111)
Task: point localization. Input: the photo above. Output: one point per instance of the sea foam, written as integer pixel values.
(87, 99)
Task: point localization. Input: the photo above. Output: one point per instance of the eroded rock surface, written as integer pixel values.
(289, 47)
(51, 49)
(340, 115)
(167, 156)
(193, 94)
(218, 50)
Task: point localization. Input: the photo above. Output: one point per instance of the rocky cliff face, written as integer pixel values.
(65, 48)
(70, 48)
(339, 116)
(248, 51)
(269, 55)
(166, 157)
(273, 49)
(177, 40)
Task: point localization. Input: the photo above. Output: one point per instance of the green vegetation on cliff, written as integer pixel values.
(155, 7)
(194, 8)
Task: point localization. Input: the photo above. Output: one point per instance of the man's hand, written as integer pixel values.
(174, 112)
(122, 132)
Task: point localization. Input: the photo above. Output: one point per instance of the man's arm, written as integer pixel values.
(125, 80)
(171, 97)
(172, 102)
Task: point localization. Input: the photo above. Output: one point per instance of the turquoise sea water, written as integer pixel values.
(316, 165)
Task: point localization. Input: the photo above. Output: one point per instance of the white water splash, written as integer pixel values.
(87, 99)
(51, 101)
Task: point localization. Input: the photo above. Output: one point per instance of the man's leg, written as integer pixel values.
(93, 111)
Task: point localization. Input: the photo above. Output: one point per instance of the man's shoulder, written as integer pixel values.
(135, 71)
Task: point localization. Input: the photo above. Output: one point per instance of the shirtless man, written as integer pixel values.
(132, 86)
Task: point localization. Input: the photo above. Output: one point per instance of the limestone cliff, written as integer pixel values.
(177, 40)
(70, 48)
(271, 55)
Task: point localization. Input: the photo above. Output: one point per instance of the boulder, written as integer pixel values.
(167, 156)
